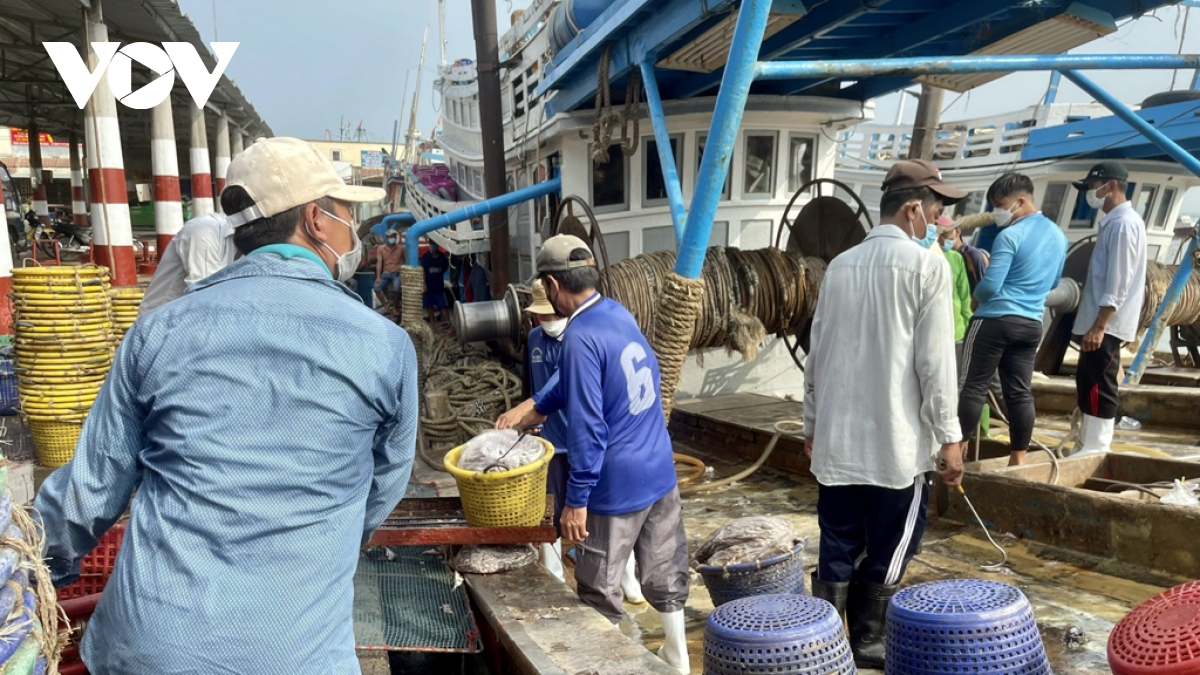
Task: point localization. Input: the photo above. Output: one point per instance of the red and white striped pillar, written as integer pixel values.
(79, 209)
(237, 142)
(6, 267)
(164, 161)
(202, 195)
(221, 163)
(37, 175)
(112, 233)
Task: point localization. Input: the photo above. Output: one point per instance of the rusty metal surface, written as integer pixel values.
(440, 521)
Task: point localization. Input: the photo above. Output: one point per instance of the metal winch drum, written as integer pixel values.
(488, 321)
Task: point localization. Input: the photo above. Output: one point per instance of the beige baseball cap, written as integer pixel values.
(283, 173)
(541, 303)
(555, 255)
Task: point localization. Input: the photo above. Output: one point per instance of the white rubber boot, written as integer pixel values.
(674, 650)
(551, 558)
(1095, 435)
(630, 585)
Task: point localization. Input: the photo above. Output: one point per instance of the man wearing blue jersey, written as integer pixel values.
(621, 491)
(1027, 261)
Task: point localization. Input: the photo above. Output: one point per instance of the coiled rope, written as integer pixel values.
(1185, 312)
(606, 119)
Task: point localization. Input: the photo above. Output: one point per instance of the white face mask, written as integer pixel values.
(347, 263)
(1094, 199)
(555, 328)
(1002, 217)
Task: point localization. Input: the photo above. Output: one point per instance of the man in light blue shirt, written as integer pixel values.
(1111, 305)
(264, 425)
(1026, 263)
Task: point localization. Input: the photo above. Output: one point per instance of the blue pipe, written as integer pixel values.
(1196, 80)
(412, 241)
(928, 65)
(666, 158)
(1052, 91)
(394, 220)
(722, 135)
(1184, 274)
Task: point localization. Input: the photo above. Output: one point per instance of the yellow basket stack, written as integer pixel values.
(63, 351)
(125, 305)
(515, 498)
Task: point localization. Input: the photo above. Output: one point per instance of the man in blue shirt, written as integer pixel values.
(265, 425)
(1026, 264)
(435, 264)
(622, 495)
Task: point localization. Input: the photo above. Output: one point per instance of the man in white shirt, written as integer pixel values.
(1111, 305)
(203, 247)
(880, 404)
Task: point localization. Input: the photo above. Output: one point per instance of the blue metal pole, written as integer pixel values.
(1184, 274)
(928, 65)
(666, 158)
(394, 220)
(1196, 79)
(722, 135)
(663, 139)
(477, 209)
(1052, 91)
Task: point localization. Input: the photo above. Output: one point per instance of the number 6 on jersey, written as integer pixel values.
(639, 382)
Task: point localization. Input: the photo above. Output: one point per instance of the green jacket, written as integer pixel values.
(962, 294)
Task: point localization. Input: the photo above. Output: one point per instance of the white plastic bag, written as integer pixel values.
(1181, 495)
(499, 450)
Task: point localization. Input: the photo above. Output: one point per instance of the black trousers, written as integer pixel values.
(871, 530)
(1096, 379)
(1010, 344)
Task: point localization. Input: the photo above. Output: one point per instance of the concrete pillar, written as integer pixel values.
(202, 195)
(221, 165)
(164, 160)
(6, 266)
(79, 209)
(37, 175)
(237, 141)
(112, 233)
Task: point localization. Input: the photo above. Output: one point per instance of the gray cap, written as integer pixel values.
(555, 255)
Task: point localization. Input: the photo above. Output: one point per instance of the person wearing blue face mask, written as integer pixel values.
(1026, 263)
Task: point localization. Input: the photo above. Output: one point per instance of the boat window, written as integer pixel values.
(1164, 208)
(617, 245)
(701, 140)
(1152, 252)
(656, 183)
(969, 205)
(610, 182)
(1052, 203)
(335, 155)
(720, 233)
(1083, 217)
(800, 162)
(1145, 201)
(656, 239)
(760, 164)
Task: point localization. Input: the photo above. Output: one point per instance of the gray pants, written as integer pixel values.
(656, 538)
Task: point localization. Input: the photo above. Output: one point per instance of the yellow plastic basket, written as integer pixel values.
(54, 439)
(514, 498)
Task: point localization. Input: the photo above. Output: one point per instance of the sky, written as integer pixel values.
(309, 66)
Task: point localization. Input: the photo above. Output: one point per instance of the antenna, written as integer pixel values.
(411, 138)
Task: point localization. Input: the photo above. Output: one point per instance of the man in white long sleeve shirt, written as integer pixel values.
(1111, 304)
(202, 248)
(880, 404)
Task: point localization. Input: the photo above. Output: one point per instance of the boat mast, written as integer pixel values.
(411, 138)
(442, 29)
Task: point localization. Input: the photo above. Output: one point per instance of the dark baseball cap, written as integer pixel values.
(910, 174)
(1104, 171)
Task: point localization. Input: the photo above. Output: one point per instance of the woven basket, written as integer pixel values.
(514, 498)
(54, 439)
(783, 573)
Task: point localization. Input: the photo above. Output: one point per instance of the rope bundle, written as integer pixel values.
(477, 391)
(682, 303)
(606, 119)
(1185, 312)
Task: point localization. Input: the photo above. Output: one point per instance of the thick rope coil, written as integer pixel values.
(680, 305)
(412, 283)
(49, 614)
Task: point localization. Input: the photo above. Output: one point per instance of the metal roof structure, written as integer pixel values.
(689, 40)
(31, 86)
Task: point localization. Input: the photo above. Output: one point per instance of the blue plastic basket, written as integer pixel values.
(783, 573)
(963, 626)
(778, 634)
(8, 388)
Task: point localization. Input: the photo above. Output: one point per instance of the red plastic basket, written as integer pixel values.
(97, 566)
(1160, 636)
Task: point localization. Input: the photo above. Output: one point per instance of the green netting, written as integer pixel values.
(410, 603)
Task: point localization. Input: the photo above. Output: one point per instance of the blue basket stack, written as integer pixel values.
(963, 626)
(8, 385)
(784, 634)
(783, 573)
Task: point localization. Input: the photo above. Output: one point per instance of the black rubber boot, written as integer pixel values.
(833, 592)
(866, 618)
